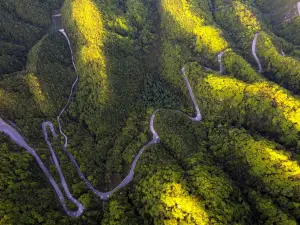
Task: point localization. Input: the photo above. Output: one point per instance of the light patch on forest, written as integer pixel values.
(122, 24)
(209, 36)
(182, 206)
(89, 23)
(37, 92)
(225, 88)
(275, 168)
(284, 101)
(87, 17)
(246, 17)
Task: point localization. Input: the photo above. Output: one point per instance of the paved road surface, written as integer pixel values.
(254, 53)
(16, 137)
(72, 88)
(56, 19)
(19, 140)
(220, 55)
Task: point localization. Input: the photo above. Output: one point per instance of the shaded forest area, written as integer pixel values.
(239, 165)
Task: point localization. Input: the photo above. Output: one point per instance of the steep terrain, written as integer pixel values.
(184, 112)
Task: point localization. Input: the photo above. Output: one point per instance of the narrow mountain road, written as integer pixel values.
(19, 140)
(16, 137)
(254, 53)
(220, 55)
(72, 88)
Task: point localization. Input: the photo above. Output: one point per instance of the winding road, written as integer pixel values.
(72, 88)
(16, 137)
(254, 43)
(220, 55)
(19, 140)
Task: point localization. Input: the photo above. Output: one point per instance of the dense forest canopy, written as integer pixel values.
(122, 82)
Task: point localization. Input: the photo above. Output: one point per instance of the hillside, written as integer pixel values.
(150, 112)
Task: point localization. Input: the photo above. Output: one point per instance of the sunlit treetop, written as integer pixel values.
(209, 36)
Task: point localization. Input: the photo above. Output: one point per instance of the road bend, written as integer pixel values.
(16, 137)
(254, 43)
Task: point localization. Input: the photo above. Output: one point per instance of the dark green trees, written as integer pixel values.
(239, 165)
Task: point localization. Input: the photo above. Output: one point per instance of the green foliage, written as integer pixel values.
(236, 66)
(290, 31)
(7, 48)
(266, 165)
(47, 85)
(22, 24)
(162, 197)
(110, 65)
(9, 64)
(31, 11)
(17, 31)
(240, 21)
(217, 192)
(269, 213)
(15, 97)
(284, 70)
(188, 27)
(261, 106)
(274, 5)
(120, 212)
(22, 191)
(128, 55)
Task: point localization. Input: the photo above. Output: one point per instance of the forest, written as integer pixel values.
(144, 66)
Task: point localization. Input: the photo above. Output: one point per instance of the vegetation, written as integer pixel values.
(238, 66)
(239, 20)
(239, 165)
(108, 59)
(283, 70)
(261, 106)
(267, 168)
(290, 31)
(281, 15)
